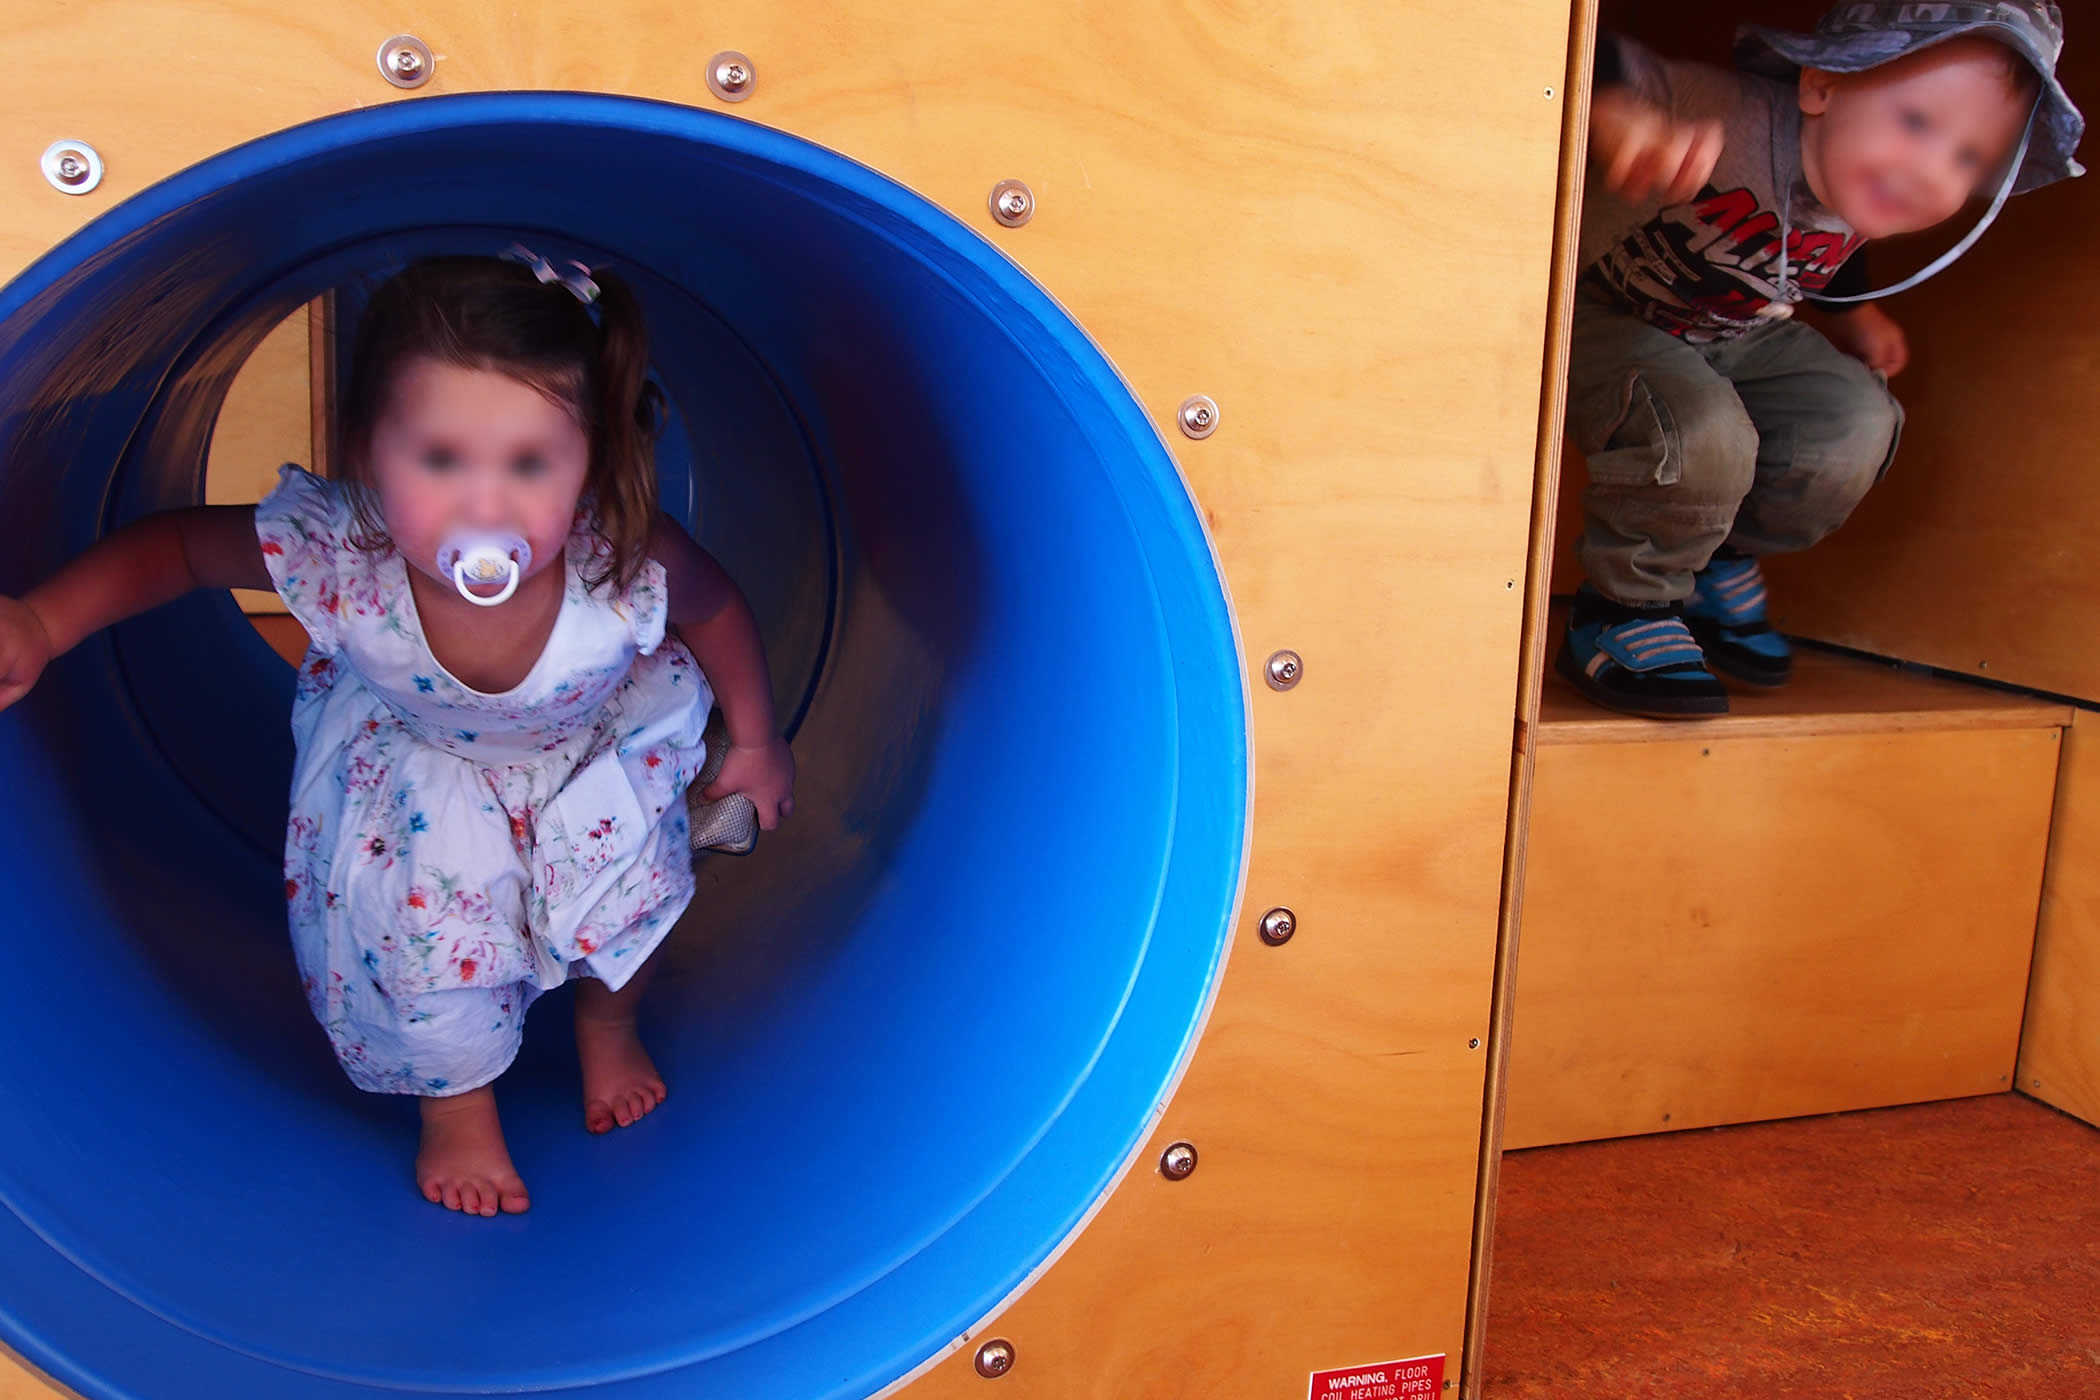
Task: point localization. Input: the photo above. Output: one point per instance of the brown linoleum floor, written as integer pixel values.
(1945, 1250)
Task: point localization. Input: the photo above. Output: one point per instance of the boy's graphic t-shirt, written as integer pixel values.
(1709, 269)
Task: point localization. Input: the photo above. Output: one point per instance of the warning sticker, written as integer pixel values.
(1417, 1378)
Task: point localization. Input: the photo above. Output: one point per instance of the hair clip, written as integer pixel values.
(578, 282)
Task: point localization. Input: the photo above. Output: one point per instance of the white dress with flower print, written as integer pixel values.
(453, 854)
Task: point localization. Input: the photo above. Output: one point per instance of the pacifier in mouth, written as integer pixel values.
(484, 559)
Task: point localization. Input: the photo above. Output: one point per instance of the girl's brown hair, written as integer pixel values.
(495, 314)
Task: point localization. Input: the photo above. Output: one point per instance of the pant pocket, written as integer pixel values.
(1628, 436)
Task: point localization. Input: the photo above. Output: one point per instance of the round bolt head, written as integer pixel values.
(995, 1358)
(1178, 1163)
(72, 167)
(731, 76)
(1285, 669)
(405, 61)
(1012, 203)
(1278, 926)
(1198, 415)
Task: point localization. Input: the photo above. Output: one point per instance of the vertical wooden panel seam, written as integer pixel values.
(320, 379)
(2054, 853)
(1553, 390)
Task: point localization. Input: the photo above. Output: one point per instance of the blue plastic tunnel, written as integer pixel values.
(911, 1042)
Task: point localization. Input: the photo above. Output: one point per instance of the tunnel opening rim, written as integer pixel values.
(939, 239)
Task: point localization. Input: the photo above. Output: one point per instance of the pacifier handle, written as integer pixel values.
(459, 581)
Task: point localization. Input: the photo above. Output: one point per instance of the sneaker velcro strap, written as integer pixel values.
(1649, 647)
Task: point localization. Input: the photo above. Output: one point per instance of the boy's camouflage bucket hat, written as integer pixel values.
(1865, 34)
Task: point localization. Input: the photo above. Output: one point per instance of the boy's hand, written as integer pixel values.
(764, 773)
(25, 649)
(1643, 148)
(1868, 333)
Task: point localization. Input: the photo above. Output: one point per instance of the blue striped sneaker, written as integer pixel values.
(1641, 661)
(1726, 613)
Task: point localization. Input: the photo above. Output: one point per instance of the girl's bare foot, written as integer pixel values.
(620, 1082)
(463, 1164)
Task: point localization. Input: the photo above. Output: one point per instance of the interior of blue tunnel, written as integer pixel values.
(912, 1041)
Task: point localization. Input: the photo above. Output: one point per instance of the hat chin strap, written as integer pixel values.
(1948, 258)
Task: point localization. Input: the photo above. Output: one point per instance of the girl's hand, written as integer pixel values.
(1871, 334)
(25, 649)
(765, 773)
(1643, 148)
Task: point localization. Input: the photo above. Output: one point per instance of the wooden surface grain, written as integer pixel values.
(1338, 221)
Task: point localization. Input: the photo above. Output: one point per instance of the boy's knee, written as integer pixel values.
(1822, 466)
(1689, 434)
(1719, 449)
(1850, 445)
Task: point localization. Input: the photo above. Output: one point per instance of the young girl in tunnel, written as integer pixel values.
(514, 656)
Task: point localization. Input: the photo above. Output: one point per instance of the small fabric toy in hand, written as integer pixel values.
(728, 825)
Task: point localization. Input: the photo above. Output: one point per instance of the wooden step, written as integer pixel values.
(1831, 693)
(1826, 901)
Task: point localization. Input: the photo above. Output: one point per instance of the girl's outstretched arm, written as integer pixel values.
(145, 564)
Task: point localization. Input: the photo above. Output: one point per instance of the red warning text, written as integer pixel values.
(1417, 1378)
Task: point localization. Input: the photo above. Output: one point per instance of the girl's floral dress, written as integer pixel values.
(453, 854)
